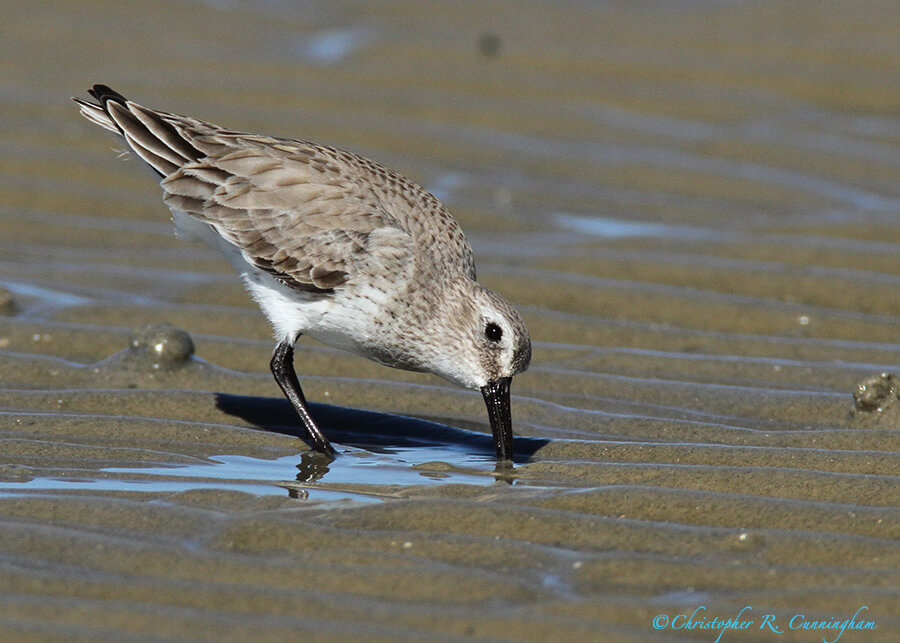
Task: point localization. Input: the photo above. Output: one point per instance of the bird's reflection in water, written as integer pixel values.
(317, 473)
(313, 465)
(379, 448)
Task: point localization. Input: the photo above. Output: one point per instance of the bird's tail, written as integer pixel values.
(96, 113)
(157, 137)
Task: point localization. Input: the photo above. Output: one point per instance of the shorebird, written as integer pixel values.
(334, 246)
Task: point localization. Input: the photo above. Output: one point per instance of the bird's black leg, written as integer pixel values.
(282, 366)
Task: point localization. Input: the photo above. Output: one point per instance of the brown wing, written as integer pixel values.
(300, 224)
(300, 211)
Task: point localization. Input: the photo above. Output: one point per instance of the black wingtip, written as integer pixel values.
(104, 94)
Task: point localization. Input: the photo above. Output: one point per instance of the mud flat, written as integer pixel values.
(696, 206)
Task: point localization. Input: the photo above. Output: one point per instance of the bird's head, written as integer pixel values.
(484, 343)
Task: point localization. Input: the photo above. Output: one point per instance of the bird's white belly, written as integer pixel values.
(340, 320)
(322, 317)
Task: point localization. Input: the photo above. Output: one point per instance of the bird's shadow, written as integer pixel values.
(368, 430)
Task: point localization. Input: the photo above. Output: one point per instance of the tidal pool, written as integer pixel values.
(695, 206)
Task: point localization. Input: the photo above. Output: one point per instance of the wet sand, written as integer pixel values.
(695, 205)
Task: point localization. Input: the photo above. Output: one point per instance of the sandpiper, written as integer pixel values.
(334, 246)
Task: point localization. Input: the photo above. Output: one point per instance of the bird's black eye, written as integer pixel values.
(493, 332)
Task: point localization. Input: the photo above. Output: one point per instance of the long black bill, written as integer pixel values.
(496, 397)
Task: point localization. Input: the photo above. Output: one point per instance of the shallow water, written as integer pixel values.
(695, 206)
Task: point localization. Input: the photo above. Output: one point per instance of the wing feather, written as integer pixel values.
(313, 216)
(311, 236)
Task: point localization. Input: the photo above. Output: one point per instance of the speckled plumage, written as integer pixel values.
(329, 243)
